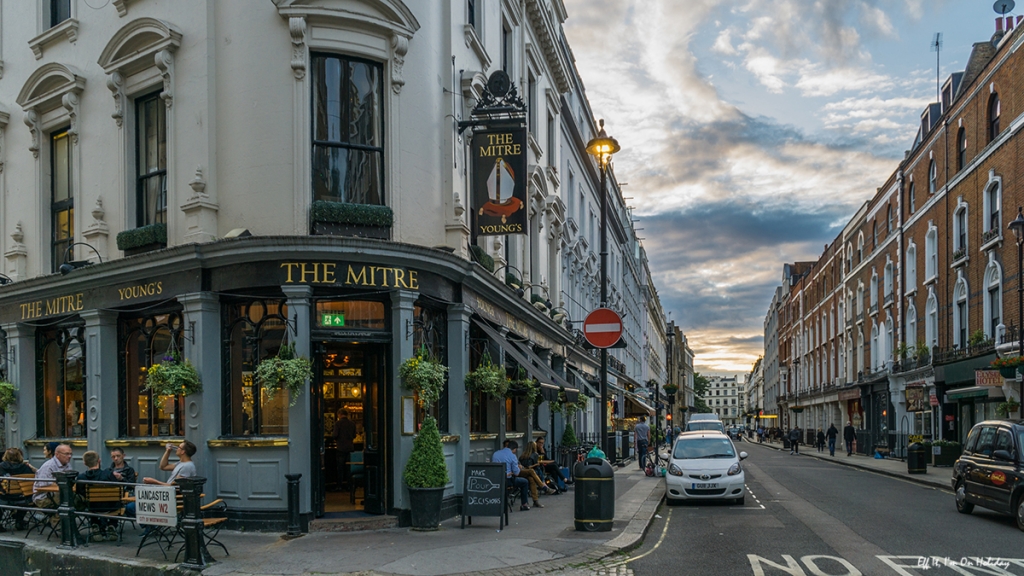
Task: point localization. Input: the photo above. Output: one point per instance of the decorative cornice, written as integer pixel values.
(547, 36)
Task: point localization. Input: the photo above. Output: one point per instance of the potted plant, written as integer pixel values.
(173, 377)
(921, 351)
(488, 378)
(1008, 366)
(7, 395)
(426, 473)
(977, 338)
(569, 435)
(670, 389)
(902, 350)
(284, 371)
(948, 452)
(1004, 409)
(424, 375)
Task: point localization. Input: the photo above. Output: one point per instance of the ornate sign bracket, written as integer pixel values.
(499, 106)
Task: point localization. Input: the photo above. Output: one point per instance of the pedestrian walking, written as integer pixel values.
(831, 435)
(794, 440)
(849, 435)
(820, 440)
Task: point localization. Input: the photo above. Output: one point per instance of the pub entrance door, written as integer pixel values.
(349, 428)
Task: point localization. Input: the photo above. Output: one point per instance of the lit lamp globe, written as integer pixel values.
(603, 146)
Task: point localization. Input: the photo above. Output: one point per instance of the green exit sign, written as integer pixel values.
(332, 320)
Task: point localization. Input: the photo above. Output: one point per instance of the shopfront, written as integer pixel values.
(82, 345)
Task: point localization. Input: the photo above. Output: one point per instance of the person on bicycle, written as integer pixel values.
(643, 438)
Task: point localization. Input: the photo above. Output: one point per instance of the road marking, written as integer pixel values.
(816, 565)
(754, 496)
(664, 532)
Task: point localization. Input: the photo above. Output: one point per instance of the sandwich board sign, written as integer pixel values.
(156, 505)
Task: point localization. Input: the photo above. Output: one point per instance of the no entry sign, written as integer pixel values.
(602, 328)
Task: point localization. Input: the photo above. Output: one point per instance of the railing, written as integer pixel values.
(964, 352)
(888, 299)
(860, 316)
(908, 364)
(959, 255)
(874, 308)
(191, 517)
(989, 236)
(1009, 335)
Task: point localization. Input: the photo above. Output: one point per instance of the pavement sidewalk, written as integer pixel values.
(534, 542)
(936, 477)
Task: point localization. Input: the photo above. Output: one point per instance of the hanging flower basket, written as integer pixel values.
(523, 385)
(286, 371)
(425, 376)
(1008, 372)
(7, 395)
(670, 389)
(488, 378)
(1004, 409)
(173, 377)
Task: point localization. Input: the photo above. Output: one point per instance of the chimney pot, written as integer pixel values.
(1009, 23)
(999, 24)
(1019, 18)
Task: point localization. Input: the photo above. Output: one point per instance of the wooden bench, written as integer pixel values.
(106, 499)
(15, 492)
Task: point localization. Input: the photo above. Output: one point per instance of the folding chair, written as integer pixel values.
(210, 524)
(15, 492)
(105, 499)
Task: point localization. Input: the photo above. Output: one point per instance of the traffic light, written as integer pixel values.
(668, 417)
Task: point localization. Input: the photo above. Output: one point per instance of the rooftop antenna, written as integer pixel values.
(937, 48)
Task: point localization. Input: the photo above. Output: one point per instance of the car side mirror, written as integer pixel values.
(1002, 455)
(743, 455)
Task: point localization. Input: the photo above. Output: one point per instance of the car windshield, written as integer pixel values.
(1020, 442)
(695, 448)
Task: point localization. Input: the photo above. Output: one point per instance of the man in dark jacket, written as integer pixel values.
(102, 528)
(344, 435)
(832, 433)
(794, 440)
(849, 435)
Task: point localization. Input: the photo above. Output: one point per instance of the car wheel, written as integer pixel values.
(962, 505)
(1020, 511)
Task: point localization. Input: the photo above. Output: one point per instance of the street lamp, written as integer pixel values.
(602, 147)
(796, 390)
(70, 266)
(1017, 227)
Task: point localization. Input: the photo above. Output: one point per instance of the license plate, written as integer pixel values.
(703, 486)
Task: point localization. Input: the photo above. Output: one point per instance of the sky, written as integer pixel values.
(752, 130)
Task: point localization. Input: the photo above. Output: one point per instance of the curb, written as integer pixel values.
(853, 464)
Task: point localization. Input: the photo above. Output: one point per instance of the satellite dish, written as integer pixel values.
(1003, 7)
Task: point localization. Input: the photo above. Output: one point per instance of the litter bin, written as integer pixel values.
(916, 463)
(595, 495)
(785, 443)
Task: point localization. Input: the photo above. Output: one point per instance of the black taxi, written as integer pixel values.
(990, 472)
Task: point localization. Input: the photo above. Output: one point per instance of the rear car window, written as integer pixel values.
(694, 448)
(705, 425)
(1004, 441)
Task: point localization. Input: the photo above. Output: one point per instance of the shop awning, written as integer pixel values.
(534, 366)
(974, 392)
(585, 385)
(639, 403)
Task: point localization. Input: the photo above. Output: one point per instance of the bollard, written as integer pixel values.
(294, 526)
(196, 555)
(69, 536)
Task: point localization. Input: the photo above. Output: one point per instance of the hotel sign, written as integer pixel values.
(988, 378)
(499, 181)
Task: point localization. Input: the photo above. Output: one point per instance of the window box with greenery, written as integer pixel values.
(286, 371)
(173, 377)
(348, 219)
(143, 239)
(947, 453)
(1008, 366)
(481, 257)
(426, 473)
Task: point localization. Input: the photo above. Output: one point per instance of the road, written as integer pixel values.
(806, 517)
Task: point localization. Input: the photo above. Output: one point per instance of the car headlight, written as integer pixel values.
(735, 469)
(675, 470)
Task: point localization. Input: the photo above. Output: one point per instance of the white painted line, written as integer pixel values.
(602, 328)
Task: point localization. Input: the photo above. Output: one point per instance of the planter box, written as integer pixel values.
(946, 457)
(356, 230)
(145, 248)
(1008, 372)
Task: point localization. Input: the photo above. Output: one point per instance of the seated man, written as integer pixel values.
(102, 528)
(185, 468)
(507, 456)
(121, 467)
(44, 493)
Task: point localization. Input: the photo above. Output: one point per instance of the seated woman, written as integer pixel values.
(528, 464)
(14, 464)
(549, 466)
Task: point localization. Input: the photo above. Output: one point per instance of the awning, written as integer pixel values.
(585, 387)
(962, 371)
(974, 392)
(640, 403)
(533, 365)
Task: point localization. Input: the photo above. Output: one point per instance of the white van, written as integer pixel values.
(704, 422)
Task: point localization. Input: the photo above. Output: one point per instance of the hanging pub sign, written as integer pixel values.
(499, 181)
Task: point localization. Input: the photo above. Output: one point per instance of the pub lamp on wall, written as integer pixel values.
(1017, 226)
(70, 266)
(5, 280)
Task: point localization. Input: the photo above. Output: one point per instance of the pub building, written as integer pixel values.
(80, 344)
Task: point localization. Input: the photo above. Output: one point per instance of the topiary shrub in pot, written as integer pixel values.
(426, 476)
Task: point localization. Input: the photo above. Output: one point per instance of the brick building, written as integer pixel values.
(888, 326)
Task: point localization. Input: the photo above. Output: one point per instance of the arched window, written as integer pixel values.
(992, 206)
(993, 117)
(933, 177)
(931, 321)
(961, 149)
(911, 268)
(993, 299)
(860, 248)
(911, 336)
(910, 197)
(931, 250)
(888, 216)
(876, 357)
(145, 341)
(874, 233)
(253, 330)
(888, 340)
(960, 316)
(60, 394)
(960, 229)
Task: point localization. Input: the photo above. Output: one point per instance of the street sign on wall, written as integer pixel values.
(602, 328)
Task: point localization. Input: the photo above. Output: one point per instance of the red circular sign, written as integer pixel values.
(602, 328)
(998, 478)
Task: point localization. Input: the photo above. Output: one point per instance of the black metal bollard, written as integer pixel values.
(196, 555)
(69, 536)
(294, 525)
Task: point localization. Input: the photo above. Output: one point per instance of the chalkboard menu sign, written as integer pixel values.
(484, 492)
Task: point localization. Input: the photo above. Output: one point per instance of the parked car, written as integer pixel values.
(712, 425)
(705, 465)
(990, 472)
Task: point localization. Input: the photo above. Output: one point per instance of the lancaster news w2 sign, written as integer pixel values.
(499, 181)
(156, 505)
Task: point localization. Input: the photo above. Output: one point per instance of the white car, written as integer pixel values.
(705, 466)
